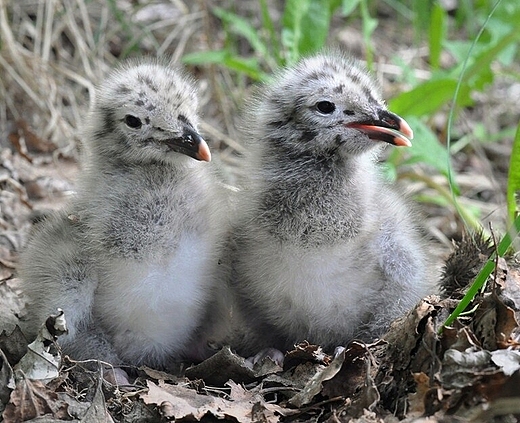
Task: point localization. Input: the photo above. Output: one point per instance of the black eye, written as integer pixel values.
(325, 107)
(133, 122)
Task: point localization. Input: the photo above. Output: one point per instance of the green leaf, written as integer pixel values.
(292, 26)
(369, 25)
(422, 11)
(426, 147)
(306, 26)
(483, 60)
(315, 26)
(428, 97)
(348, 6)
(274, 41)
(205, 57)
(249, 67)
(513, 178)
(242, 27)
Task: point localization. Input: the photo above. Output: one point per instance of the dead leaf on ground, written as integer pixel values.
(507, 360)
(42, 360)
(221, 367)
(180, 402)
(30, 399)
(314, 385)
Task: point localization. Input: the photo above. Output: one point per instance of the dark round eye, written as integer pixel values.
(133, 122)
(325, 107)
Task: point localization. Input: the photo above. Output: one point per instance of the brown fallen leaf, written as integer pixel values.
(352, 376)
(221, 367)
(412, 343)
(12, 306)
(7, 383)
(13, 344)
(494, 322)
(314, 385)
(180, 402)
(42, 360)
(306, 351)
(158, 374)
(417, 400)
(30, 399)
(97, 412)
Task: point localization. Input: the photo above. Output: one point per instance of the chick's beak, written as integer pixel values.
(388, 127)
(191, 144)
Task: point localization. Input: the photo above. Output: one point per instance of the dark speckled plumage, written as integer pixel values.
(325, 250)
(135, 269)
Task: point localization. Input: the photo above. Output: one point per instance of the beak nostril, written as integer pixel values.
(390, 122)
(190, 141)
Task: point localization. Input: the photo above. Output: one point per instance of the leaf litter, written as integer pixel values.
(412, 372)
(469, 373)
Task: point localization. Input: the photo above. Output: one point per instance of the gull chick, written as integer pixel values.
(325, 250)
(132, 258)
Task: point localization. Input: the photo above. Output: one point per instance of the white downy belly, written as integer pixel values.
(309, 292)
(157, 302)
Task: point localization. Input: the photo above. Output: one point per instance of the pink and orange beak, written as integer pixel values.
(191, 144)
(388, 127)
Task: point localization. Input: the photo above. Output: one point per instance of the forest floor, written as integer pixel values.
(51, 56)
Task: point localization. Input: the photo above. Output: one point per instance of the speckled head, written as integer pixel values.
(325, 103)
(147, 111)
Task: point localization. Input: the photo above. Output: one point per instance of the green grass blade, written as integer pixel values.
(245, 66)
(369, 26)
(483, 60)
(315, 25)
(292, 27)
(436, 35)
(513, 178)
(454, 103)
(205, 57)
(274, 41)
(422, 11)
(484, 274)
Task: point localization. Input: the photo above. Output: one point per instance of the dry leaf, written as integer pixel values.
(418, 398)
(460, 368)
(13, 344)
(97, 412)
(507, 360)
(493, 322)
(314, 385)
(221, 367)
(179, 402)
(30, 399)
(42, 360)
(6, 379)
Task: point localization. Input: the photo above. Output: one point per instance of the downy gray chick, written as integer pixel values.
(325, 250)
(132, 258)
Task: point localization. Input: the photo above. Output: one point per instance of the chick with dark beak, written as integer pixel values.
(191, 144)
(325, 249)
(388, 127)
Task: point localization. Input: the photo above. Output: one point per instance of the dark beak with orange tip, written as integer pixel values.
(191, 144)
(388, 127)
